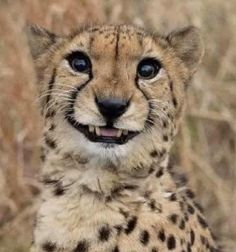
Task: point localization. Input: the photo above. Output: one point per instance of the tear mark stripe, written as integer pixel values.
(69, 113)
(50, 86)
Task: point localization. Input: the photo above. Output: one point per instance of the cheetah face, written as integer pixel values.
(111, 121)
(114, 86)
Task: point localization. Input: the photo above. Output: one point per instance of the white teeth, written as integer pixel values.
(119, 133)
(91, 128)
(125, 132)
(97, 129)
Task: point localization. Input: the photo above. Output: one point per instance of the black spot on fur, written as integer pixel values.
(82, 246)
(171, 243)
(190, 194)
(108, 198)
(161, 235)
(50, 143)
(116, 190)
(124, 213)
(144, 237)
(173, 197)
(173, 218)
(171, 85)
(192, 237)
(159, 173)
(182, 224)
(152, 204)
(151, 170)
(116, 249)
(52, 127)
(207, 243)
(169, 116)
(163, 152)
(186, 216)
(165, 138)
(154, 153)
(165, 124)
(154, 250)
(175, 103)
(130, 187)
(49, 246)
(131, 225)
(191, 209)
(59, 190)
(189, 247)
(104, 233)
(202, 222)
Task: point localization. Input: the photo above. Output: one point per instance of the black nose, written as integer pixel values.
(112, 108)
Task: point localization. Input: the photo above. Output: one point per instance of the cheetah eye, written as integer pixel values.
(148, 68)
(79, 62)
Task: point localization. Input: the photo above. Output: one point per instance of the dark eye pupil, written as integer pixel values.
(79, 65)
(79, 62)
(148, 68)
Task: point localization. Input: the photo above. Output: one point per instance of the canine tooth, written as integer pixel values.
(97, 129)
(91, 128)
(119, 133)
(125, 132)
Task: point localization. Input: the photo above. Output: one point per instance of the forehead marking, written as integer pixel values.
(117, 43)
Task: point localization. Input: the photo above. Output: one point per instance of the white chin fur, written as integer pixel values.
(111, 151)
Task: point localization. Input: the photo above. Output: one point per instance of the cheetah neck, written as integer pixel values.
(102, 176)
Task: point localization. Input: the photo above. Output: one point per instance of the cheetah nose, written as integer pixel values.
(112, 108)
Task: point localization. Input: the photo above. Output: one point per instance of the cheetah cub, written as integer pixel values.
(112, 98)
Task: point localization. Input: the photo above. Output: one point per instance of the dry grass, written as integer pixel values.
(206, 145)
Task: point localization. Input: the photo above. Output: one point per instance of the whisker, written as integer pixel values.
(48, 94)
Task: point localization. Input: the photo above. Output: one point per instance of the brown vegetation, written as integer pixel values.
(206, 146)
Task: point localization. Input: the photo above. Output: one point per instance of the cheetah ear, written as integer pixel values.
(39, 40)
(188, 45)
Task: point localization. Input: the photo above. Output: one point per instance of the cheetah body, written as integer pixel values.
(109, 197)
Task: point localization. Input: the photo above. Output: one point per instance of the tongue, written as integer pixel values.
(108, 132)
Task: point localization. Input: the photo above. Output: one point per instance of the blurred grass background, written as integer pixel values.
(206, 145)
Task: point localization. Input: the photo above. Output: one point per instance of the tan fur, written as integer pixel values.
(93, 194)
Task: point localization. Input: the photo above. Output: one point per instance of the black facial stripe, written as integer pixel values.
(171, 88)
(174, 100)
(69, 114)
(50, 86)
(148, 121)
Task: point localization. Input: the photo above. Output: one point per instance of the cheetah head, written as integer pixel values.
(113, 90)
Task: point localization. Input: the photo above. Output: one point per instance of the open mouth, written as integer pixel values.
(104, 134)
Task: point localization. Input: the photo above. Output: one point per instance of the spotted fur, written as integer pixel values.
(115, 198)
